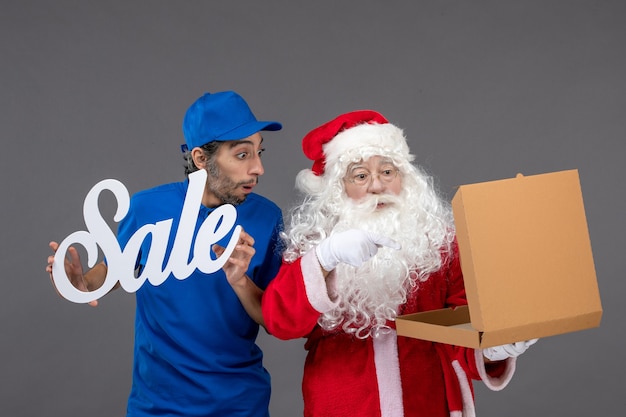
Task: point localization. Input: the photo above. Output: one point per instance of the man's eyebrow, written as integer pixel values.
(234, 143)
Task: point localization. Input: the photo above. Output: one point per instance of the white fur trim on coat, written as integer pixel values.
(494, 384)
(317, 290)
(469, 409)
(388, 374)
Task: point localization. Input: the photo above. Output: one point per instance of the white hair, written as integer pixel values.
(417, 218)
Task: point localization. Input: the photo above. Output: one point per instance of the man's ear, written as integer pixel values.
(199, 158)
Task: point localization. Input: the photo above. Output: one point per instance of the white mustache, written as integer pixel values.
(370, 202)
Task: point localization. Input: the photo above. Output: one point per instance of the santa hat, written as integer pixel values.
(361, 132)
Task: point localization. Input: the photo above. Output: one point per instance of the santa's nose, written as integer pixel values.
(376, 186)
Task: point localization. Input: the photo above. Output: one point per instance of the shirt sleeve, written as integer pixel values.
(272, 261)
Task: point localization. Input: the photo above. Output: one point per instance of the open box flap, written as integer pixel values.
(525, 250)
(527, 264)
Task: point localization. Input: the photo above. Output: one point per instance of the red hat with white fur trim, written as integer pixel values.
(357, 130)
(314, 141)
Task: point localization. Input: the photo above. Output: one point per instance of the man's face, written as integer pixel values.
(377, 175)
(235, 171)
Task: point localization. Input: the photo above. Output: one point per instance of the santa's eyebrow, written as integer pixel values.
(383, 161)
(354, 166)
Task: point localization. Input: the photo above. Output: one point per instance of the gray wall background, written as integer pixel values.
(484, 90)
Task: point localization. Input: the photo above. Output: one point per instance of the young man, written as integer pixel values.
(373, 240)
(195, 351)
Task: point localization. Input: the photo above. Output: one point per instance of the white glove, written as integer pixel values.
(352, 247)
(513, 350)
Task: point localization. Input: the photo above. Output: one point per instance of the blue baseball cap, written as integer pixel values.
(219, 117)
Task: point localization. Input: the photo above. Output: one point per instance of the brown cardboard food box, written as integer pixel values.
(527, 264)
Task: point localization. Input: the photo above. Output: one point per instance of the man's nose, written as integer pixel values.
(256, 166)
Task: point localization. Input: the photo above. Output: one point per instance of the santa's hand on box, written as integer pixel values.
(353, 247)
(512, 350)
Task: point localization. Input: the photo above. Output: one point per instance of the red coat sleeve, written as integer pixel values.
(294, 300)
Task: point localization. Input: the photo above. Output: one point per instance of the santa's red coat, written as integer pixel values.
(388, 375)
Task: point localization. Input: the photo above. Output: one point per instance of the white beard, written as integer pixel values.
(371, 294)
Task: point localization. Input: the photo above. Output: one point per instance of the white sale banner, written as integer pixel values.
(121, 263)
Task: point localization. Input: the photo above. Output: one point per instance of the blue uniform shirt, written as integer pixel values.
(195, 351)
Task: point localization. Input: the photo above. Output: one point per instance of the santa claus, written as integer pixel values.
(370, 241)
